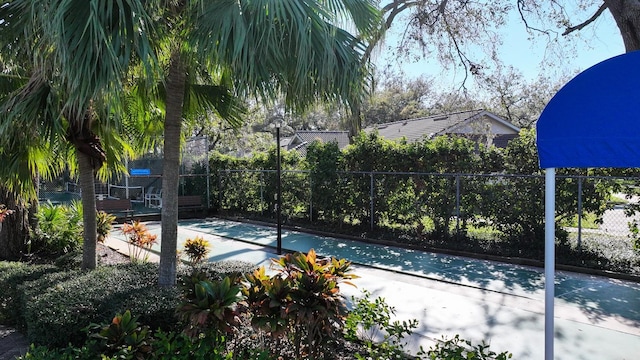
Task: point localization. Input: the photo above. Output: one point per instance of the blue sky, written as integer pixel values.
(597, 42)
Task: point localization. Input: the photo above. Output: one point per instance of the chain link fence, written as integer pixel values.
(453, 203)
(597, 217)
(143, 183)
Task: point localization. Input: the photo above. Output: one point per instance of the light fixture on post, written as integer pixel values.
(278, 124)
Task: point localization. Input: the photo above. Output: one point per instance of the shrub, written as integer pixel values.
(104, 223)
(178, 346)
(370, 320)
(458, 348)
(196, 249)
(59, 229)
(139, 240)
(125, 336)
(12, 275)
(302, 300)
(67, 353)
(56, 315)
(158, 345)
(209, 307)
(69, 261)
(221, 269)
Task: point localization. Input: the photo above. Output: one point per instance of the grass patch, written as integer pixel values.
(589, 221)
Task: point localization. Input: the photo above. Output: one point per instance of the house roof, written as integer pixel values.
(435, 125)
(303, 138)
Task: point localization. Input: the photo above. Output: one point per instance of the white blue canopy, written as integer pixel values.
(593, 121)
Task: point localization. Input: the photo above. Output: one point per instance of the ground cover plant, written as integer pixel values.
(225, 310)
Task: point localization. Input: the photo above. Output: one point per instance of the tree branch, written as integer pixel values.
(393, 9)
(578, 27)
(526, 23)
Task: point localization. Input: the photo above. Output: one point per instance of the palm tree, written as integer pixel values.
(26, 154)
(270, 47)
(291, 47)
(78, 51)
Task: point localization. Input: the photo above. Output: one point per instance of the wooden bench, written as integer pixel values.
(122, 206)
(190, 202)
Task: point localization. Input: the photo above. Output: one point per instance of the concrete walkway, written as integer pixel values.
(502, 304)
(12, 343)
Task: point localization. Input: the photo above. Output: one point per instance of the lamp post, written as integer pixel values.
(279, 190)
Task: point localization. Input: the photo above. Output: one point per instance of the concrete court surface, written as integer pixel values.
(596, 318)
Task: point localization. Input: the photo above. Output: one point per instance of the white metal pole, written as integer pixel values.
(279, 202)
(549, 260)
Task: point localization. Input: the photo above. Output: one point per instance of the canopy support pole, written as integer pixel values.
(549, 260)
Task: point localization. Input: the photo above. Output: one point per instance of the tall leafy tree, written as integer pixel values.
(398, 99)
(453, 30)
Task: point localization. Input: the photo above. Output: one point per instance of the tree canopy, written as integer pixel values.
(468, 33)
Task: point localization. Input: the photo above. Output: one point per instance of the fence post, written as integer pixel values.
(458, 207)
(220, 174)
(310, 198)
(371, 199)
(579, 213)
(208, 181)
(262, 202)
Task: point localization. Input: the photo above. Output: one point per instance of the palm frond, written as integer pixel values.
(202, 99)
(95, 42)
(288, 46)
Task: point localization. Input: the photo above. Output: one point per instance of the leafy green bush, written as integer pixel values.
(210, 307)
(67, 353)
(125, 336)
(421, 193)
(324, 161)
(196, 249)
(302, 300)
(12, 275)
(54, 305)
(69, 261)
(104, 222)
(178, 346)
(113, 342)
(59, 229)
(55, 316)
(458, 348)
(370, 322)
(220, 269)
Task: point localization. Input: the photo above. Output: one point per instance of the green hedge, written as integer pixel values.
(228, 268)
(56, 315)
(12, 275)
(54, 305)
(411, 193)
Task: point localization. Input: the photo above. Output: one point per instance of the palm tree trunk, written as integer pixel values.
(171, 171)
(14, 231)
(87, 187)
(90, 156)
(355, 120)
